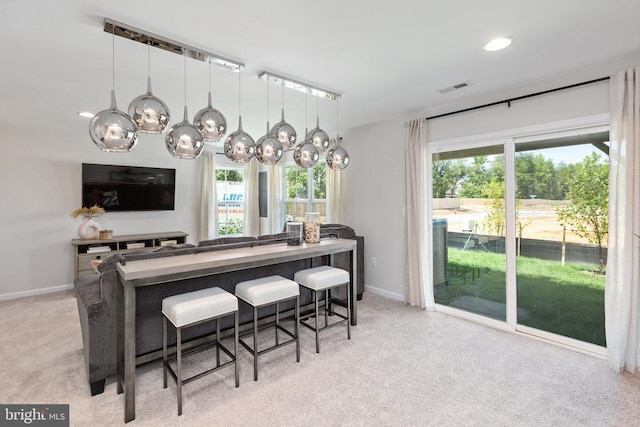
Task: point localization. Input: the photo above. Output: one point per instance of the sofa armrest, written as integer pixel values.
(88, 293)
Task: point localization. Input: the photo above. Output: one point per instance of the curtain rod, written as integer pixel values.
(508, 101)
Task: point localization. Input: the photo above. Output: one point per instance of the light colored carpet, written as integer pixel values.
(402, 367)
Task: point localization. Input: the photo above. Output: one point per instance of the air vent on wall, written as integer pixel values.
(454, 87)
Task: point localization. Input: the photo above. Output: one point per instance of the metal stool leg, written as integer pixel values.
(296, 329)
(179, 366)
(217, 342)
(348, 313)
(235, 348)
(164, 352)
(277, 322)
(315, 297)
(327, 306)
(255, 343)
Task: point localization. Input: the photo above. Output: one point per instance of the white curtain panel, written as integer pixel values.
(622, 289)
(251, 207)
(274, 207)
(334, 196)
(415, 291)
(208, 214)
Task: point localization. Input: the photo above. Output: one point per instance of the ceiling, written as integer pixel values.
(387, 59)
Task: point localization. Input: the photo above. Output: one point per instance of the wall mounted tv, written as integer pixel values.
(128, 188)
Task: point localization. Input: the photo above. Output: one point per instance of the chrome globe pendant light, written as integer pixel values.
(317, 136)
(285, 133)
(239, 146)
(337, 157)
(149, 112)
(306, 154)
(113, 130)
(184, 140)
(210, 122)
(268, 147)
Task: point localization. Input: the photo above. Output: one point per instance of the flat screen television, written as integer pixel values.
(128, 188)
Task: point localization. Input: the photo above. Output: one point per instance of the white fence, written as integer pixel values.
(455, 203)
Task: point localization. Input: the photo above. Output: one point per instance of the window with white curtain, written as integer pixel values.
(230, 188)
(304, 190)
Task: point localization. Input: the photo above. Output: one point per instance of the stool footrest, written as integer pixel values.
(195, 377)
(342, 317)
(273, 347)
(200, 348)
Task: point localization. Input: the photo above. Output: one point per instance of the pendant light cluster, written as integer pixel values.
(116, 131)
(315, 142)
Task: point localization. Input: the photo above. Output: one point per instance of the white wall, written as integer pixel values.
(41, 186)
(373, 201)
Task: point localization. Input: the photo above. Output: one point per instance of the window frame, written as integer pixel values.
(310, 203)
(241, 170)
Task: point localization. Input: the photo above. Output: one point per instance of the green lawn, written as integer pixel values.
(567, 300)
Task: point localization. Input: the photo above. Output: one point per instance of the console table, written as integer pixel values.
(155, 271)
(83, 254)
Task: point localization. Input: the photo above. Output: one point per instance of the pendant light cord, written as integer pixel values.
(337, 122)
(185, 80)
(305, 112)
(209, 76)
(268, 100)
(148, 60)
(113, 59)
(239, 96)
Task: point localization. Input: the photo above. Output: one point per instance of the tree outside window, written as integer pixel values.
(305, 190)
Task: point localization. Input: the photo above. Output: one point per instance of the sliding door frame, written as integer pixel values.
(509, 139)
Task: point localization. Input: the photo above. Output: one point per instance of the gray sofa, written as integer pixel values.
(97, 299)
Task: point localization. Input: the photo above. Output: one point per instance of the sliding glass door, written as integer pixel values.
(520, 232)
(468, 230)
(561, 191)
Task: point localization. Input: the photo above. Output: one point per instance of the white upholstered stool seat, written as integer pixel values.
(321, 278)
(267, 290)
(263, 292)
(324, 278)
(184, 309)
(190, 309)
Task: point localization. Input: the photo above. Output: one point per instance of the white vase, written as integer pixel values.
(89, 229)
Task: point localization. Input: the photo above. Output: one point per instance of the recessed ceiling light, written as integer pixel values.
(86, 114)
(498, 44)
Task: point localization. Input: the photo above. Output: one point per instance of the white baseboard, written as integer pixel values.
(16, 295)
(384, 293)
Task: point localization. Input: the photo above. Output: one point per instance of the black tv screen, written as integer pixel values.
(128, 188)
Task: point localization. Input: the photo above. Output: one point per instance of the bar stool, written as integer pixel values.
(263, 292)
(325, 278)
(190, 309)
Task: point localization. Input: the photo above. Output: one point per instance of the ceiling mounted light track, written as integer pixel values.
(298, 85)
(154, 40)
